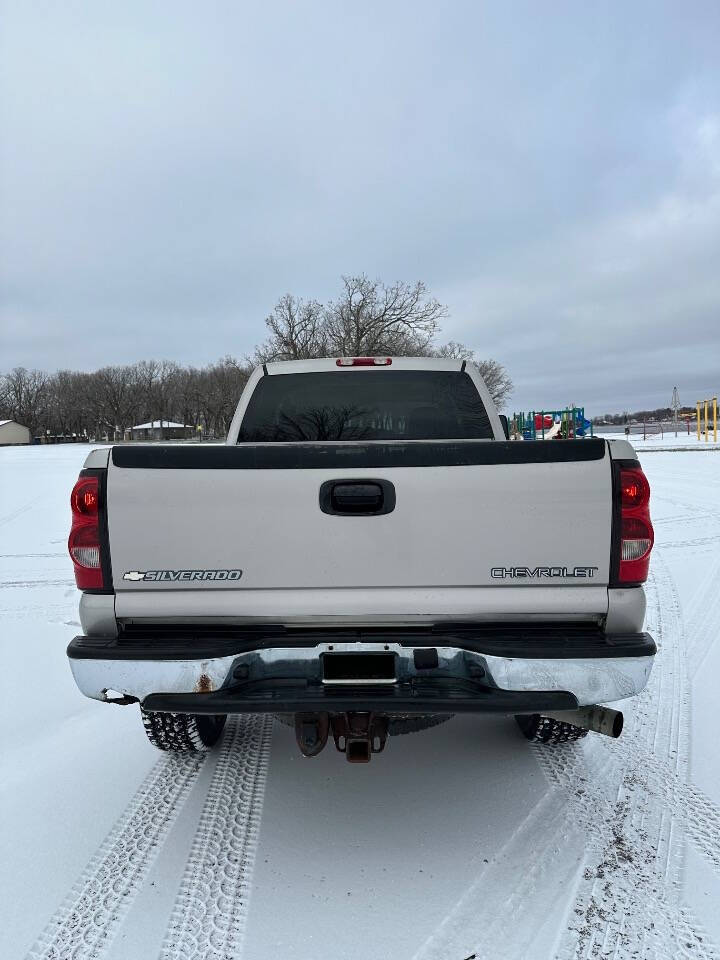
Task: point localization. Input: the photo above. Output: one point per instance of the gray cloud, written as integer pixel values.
(169, 170)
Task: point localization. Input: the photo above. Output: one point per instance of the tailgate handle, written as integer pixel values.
(357, 498)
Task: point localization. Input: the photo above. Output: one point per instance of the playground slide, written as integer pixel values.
(551, 433)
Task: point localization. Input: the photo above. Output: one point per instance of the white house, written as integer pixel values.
(13, 433)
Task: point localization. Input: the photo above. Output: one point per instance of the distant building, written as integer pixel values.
(159, 430)
(12, 433)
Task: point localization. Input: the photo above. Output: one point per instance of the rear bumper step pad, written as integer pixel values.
(423, 697)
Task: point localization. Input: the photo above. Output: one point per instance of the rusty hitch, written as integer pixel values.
(311, 732)
(359, 735)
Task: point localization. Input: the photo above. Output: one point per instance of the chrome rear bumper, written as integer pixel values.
(273, 678)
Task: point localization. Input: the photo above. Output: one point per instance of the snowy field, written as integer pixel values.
(659, 443)
(464, 841)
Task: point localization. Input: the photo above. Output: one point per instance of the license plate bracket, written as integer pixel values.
(359, 668)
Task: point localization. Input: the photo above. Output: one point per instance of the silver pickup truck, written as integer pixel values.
(366, 555)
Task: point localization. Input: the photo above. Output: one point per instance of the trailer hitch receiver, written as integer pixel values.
(359, 735)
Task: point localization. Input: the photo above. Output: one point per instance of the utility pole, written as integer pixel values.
(675, 404)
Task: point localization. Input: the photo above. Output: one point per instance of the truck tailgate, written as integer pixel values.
(477, 530)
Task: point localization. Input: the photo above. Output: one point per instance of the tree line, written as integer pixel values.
(367, 318)
(637, 416)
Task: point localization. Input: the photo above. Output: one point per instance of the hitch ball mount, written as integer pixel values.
(358, 735)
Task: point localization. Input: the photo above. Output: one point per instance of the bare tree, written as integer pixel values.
(297, 331)
(371, 318)
(497, 380)
(25, 395)
(220, 387)
(367, 318)
(186, 396)
(113, 395)
(67, 411)
(156, 379)
(452, 350)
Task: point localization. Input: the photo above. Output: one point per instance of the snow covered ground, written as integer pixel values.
(667, 441)
(461, 841)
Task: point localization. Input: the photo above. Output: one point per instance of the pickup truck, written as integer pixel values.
(366, 555)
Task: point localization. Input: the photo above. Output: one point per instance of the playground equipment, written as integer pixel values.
(704, 404)
(567, 424)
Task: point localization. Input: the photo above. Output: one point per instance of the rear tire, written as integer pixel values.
(539, 729)
(182, 732)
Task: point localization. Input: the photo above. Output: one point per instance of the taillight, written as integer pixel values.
(634, 488)
(85, 497)
(85, 542)
(633, 536)
(363, 361)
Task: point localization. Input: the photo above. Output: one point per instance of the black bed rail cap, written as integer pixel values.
(298, 456)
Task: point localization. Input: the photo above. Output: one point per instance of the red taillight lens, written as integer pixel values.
(84, 544)
(635, 537)
(85, 496)
(363, 361)
(634, 488)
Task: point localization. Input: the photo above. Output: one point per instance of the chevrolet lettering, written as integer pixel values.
(530, 573)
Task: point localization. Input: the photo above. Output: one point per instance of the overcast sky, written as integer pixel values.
(551, 171)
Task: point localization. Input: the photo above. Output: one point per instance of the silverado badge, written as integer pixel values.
(183, 576)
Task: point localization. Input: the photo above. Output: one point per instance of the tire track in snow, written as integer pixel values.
(624, 862)
(697, 542)
(33, 556)
(84, 925)
(690, 510)
(708, 517)
(210, 912)
(10, 584)
(628, 902)
(479, 922)
(516, 883)
(695, 812)
(703, 624)
(703, 585)
(9, 517)
(629, 898)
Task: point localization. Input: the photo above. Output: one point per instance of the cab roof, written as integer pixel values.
(327, 364)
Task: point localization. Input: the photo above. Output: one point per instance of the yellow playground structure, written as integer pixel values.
(703, 405)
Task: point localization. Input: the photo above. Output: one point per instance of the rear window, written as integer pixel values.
(368, 405)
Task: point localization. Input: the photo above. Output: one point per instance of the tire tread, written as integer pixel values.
(176, 732)
(547, 730)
